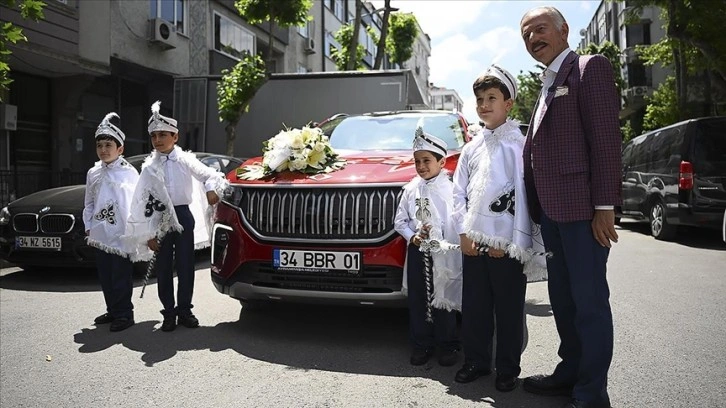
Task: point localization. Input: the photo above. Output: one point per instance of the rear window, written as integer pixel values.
(710, 148)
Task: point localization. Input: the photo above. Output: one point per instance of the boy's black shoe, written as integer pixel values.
(421, 356)
(169, 324)
(121, 323)
(447, 358)
(103, 319)
(189, 321)
(505, 383)
(470, 372)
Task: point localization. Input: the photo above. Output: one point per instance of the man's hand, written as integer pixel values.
(603, 227)
(153, 244)
(467, 246)
(212, 197)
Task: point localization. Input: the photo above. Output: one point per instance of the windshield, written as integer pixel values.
(392, 132)
(710, 149)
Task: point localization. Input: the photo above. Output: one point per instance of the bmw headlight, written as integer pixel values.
(4, 216)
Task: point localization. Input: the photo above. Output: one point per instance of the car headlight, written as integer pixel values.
(4, 216)
(232, 195)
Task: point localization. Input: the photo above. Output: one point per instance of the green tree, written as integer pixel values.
(286, 13)
(341, 55)
(402, 33)
(696, 44)
(381, 48)
(235, 92)
(10, 34)
(529, 87)
(353, 60)
(662, 109)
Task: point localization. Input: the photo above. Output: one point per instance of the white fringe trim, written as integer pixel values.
(445, 304)
(105, 248)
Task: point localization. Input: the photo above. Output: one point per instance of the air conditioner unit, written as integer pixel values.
(640, 91)
(310, 46)
(163, 33)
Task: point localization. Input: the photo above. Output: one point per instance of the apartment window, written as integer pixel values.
(304, 30)
(330, 44)
(637, 34)
(338, 7)
(169, 10)
(232, 39)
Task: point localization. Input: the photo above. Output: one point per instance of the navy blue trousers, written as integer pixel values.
(493, 293)
(579, 295)
(115, 273)
(179, 245)
(426, 335)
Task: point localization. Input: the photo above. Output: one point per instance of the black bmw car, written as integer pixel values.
(45, 229)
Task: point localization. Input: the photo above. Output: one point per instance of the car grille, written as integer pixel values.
(361, 214)
(49, 223)
(57, 223)
(25, 223)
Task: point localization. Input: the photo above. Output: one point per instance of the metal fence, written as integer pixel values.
(16, 184)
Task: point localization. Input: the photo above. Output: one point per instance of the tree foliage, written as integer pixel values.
(381, 47)
(662, 107)
(529, 87)
(286, 13)
(235, 92)
(695, 44)
(341, 55)
(402, 32)
(10, 34)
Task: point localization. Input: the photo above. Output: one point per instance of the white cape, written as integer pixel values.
(153, 215)
(497, 214)
(430, 203)
(109, 190)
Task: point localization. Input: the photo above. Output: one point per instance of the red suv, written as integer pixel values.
(327, 238)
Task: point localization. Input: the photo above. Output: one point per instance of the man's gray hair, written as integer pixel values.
(557, 18)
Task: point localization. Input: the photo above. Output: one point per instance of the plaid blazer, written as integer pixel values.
(572, 160)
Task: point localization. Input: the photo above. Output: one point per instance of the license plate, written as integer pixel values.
(316, 261)
(51, 243)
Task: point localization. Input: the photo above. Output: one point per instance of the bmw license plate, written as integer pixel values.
(316, 261)
(49, 243)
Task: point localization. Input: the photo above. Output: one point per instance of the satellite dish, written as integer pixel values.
(583, 32)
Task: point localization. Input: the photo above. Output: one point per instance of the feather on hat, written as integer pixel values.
(425, 141)
(106, 128)
(159, 122)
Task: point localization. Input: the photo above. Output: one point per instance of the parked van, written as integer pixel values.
(676, 175)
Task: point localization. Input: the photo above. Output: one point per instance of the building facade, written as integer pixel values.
(88, 58)
(611, 23)
(445, 99)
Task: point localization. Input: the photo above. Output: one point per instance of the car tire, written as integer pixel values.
(659, 226)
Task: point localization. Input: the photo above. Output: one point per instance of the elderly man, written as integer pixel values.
(572, 174)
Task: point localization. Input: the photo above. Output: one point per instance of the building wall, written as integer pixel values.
(129, 40)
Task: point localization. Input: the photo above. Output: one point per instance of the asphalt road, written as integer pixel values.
(670, 344)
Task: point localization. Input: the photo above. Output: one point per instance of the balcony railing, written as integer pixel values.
(16, 184)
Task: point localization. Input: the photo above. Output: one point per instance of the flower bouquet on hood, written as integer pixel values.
(305, 150)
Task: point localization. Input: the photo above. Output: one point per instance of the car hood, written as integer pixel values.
(59, 199)
(384, 166)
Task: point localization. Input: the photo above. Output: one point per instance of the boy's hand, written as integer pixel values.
(153, 244)
(212, 197)
(467, 246)
(416, 240)
(495, 253)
